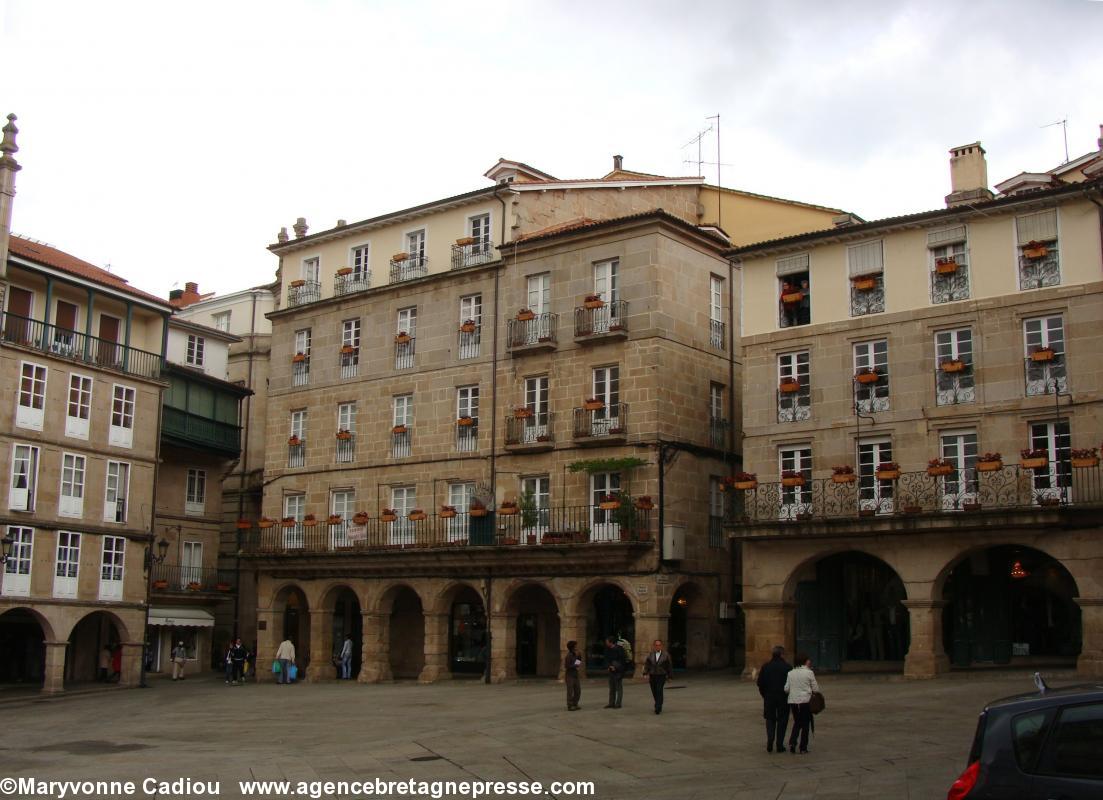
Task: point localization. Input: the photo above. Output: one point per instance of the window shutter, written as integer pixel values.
(1040, 227)
(790, 265)
(866, 259)
(946, 236)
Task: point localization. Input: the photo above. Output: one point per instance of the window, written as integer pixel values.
(1044, 344)
(467, 405)
(604, 525)
(346, 417)
(221, 321)
(17, 570)
(111, 568)
(479, 229)
(196, 345)
(346, 424)
(350, 348)
(1036, 237)
(459, 497)
(1028, 734)
(70, 501)
(296, 443)
(866, 264)
(24, 477)
(121, 433)
(360, 263)
(1054, 480)
(404, 350)
(342, 502)
(535, 506)
(606, 420)
(536, 427)
(294, 507)
(959, 487)
(32, 396)
(795, 500)
(471, 310)
(196, 496)
(312, 269)
(870, 397)
(873, 493)
(300, 365)
(718, 426)
(1079, 741)
(116, 491)
(65, 326)
(403, 501)
(794, 291)
(78, 409)
(717, 336)
(191, 564)
(415, 246)
(403, 412)
(954, 375)
(606, 280)
(539, 293)
(948, 262)
(716, 513)
(794, 394)
(67, 566)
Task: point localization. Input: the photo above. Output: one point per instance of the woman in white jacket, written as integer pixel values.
(799, 686)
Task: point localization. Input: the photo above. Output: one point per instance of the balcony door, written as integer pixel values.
(539, 293)
(607, 287)
(65, 326)
(108, 352)
(795, 500)
(960, 486)
(535, 517)
(403, 500)
(604, 525)
(17, 323)
(1055, 479)
(459, 497)
(606, 387)
(874, 494)
(536, 401)
(191, 564)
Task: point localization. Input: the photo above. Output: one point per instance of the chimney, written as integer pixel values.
(968, 176)
(618, 163)
(8, 167)
(191, 286)
(300, 227)
(185, 297)
(175, 294)
(342, 223)
(282, 236)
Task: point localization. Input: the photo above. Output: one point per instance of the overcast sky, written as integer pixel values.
(173, 140)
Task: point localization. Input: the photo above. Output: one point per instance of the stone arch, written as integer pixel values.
(290, 605)
(533, 625)
(459, 609)
(24, 632)
(609, 608)
(401, 609)
(802, 567)
(339, 612)
(441, 602)
(88, 636)
(690, 625)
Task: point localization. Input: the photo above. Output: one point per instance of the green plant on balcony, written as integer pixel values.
(592, 465)
(530, 515)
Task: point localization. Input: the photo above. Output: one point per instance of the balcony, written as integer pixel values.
(598, 324)
(467, 436)
(867, 295)
(296, 453)
(794, 404)
(400, 441)
(718, 433)
(404, 351)
(408, 268)
(557, 526)
(300, 372)
(173, 578)
(350, 361)
(718, 336)
(532, 335)
(955, 383)
(469, 343)
(1045, 374)
(607, 425)
(950, 281)
(301, 292)
(351, 282)
(79, 347)
(470, 255)
(531, 434)
(345, 452)
(953, 498)
(192, 430)
(1041, 269)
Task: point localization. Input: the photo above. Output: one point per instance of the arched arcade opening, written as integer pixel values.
(95, 640)
(406, 633)
(346, 622)
(609, 612)
(466, 632)
(22, 648)
(688, 631)
(536, 623)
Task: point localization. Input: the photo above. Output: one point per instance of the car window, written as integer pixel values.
(1028, 733)
(1078, 741)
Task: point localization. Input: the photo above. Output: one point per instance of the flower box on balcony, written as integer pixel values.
(467, 326)
(194, 586)
(989, 466)
(160, 584)
(360, 518)
(939, 466)
(788, 386)
(745, 486)
(1043, 354)
(792, 298)
(244, 524)
(310, 521)
(864, 283)
(543, 437)
(265, 523)
(609, 503)
(952, 365)
(347, 349)
(223, 587)
(344, 435)
(1034, 463)
(417, 515)
(400, 256)
(465, 241)
(593, 301)
(522, 412)
(398, 429)
(865, 376)
(477, 510)
(593, 404)
(298, 358)
(525, 314)
(343, 271)
(889, 471)
(1084, 458)
(945, 266)
(508, 508)
(791, 479)
(1035, 250)
(294, 441)
(335, 519)
(402, 338)
(1049, 500)
(644, 503)
(465, 422)
(295, 284)
(447, 512)
(388, 515)
(289, 522)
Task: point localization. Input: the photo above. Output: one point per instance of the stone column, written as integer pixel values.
(319, 659)
(768, 624)
(54, 677)
(926, 657)
(375, 664)
(132, 664)
(268, 641)
(436, 649)
(572, 627)
(503, 647)
(1090, 663)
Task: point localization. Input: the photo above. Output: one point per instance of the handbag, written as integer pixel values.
(292, 672)
(816, 703)
(276, 667)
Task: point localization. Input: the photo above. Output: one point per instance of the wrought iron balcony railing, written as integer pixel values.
(946, 287)
(178, 578)
(1056, 485)
(300, 372)
(469, 343)
(74, 346)
(538, 429)
(400, 443)
(868, 301)
(609, 421)
(1036, 273)
(796, 405)
(413, 266)
(561, 525)
(1043, 377)
(404, 353)
(718, 433)
(351, 282)
(469, 255)
(296, 453)
(346, 448)
(467, 436)
(532, 333)
(611, 318)
(718, 334)
(303, 292)
(955, 387)
(350, 363)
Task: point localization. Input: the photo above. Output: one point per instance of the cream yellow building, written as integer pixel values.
(886, 366)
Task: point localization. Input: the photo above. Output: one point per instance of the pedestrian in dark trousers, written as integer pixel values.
(658, 667)
(775, 704)
(799, 685)
(228, 663)
(571, 664)
(615, 659)
(237, 661)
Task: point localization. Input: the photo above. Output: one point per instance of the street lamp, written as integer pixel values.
(7, 542)
(151, 561)
(859, 416)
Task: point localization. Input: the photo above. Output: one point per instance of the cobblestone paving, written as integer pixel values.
(879, 737)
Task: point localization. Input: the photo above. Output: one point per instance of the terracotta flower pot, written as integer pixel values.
(295, 284)
(952, 365)
(888, 474)
(1034, 463)
(946, 266)
(935, 472)
(477, 512)
(465, 422)
(522, 413)
(864, 284)
(1086, 462)
(244, 524)
(844, 477)
(1035, 250)
(867, 377)
(592, 303)
(398, 429)
(524, 315)
(989, 466)
(746, 486)
(467, 327)
(465, 241)
(609, 505)
(593, 405)
(1042, 354)
(788, 387)
(402, 338)
(791, 482)
(160, 584)
(400, 256)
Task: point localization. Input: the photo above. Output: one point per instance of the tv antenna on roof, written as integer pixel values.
(697, 141)
(1064, 123)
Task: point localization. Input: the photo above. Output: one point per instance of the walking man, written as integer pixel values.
(346, 657)
(179, 659)
(237, 661)
(571, 664)
(615, 659)
(775, 703)
(285, 654)
(658, 667)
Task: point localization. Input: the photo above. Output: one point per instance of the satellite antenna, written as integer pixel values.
(1064, 123)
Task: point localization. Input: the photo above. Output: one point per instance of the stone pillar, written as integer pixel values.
(132, 664)
(268, 641)
(319, 660)
(503, 647)
(649, 627)
(375, 656)
(1090, 662)
(926, 657)
(436, 649)
(768, 624)
(54, 677)
(572, 627)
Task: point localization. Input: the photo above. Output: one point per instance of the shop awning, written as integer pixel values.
(177, 617)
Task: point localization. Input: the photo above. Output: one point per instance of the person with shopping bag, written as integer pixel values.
(285, 658)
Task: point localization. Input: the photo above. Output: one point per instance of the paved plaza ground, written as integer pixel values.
(880, 737)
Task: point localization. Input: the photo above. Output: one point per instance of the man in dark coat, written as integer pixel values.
(571, 664)
(615, 663)
(658, 668)
(775, 704)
